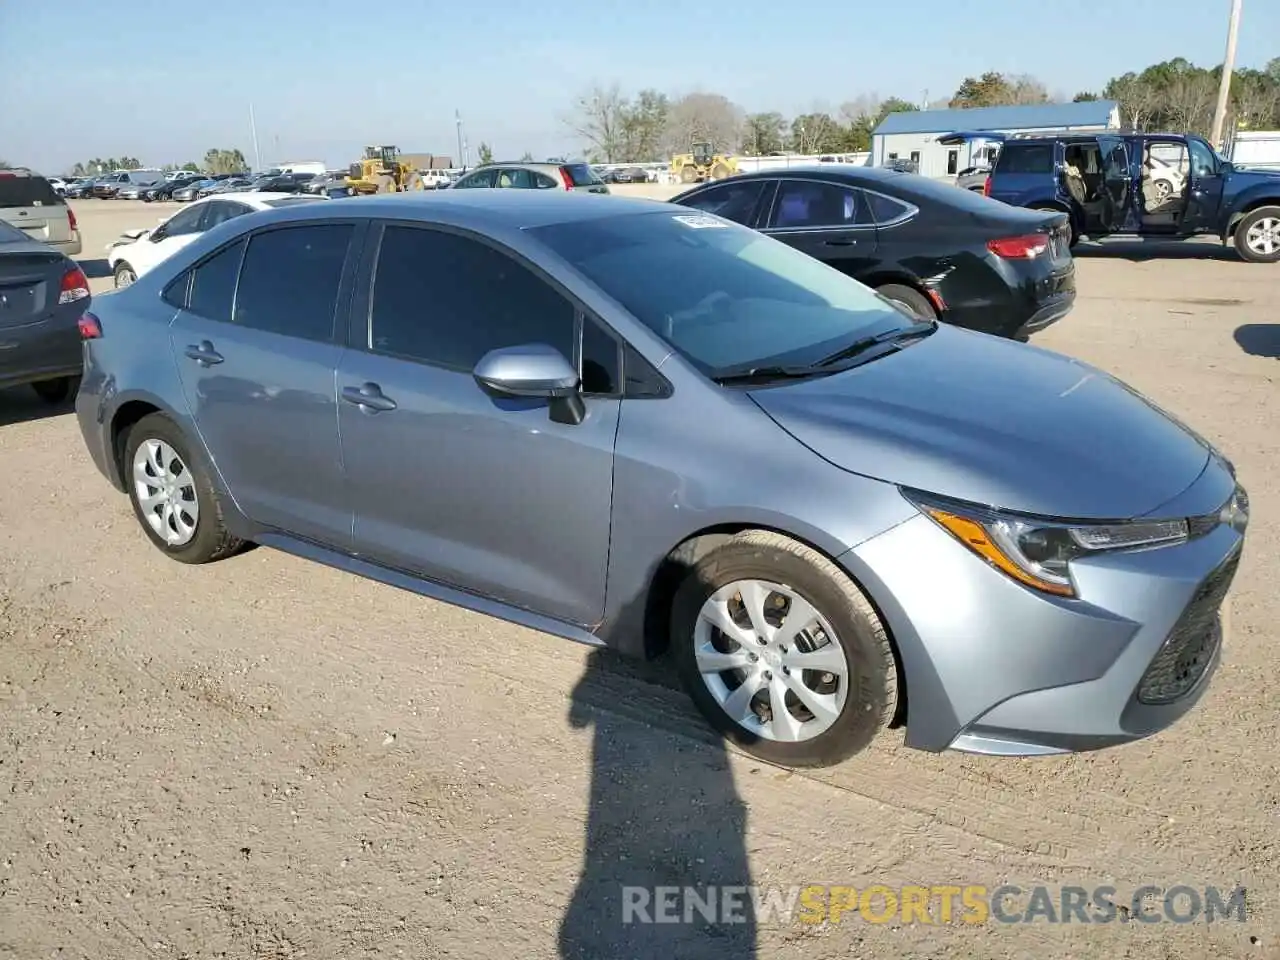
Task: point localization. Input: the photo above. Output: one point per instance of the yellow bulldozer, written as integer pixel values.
(702, 163)
(382, 171)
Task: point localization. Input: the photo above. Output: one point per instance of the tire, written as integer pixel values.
(57, 391)
(385, 184)
(208, 539)
(1264, 223)
(864, 701)
(719, 172)
(124, 275)
(911, 299)
(688, 175)
(413, 182)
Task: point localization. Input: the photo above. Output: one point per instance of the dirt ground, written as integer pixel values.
(265, 758)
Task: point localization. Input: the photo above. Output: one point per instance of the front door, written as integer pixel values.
(257, 359)
(1204, 193)
(448, 482)
(829, 221)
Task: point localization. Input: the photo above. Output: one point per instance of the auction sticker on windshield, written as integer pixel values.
(700, 222)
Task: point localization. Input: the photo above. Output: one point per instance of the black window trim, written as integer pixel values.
(836, 228)
(910, 209)
(360, 326)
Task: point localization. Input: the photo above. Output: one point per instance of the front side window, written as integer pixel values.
(733, 201)
(184, 222)
(481, 178)
(448, 300)
(1203, 163)
(290, 278)
(729, 297)
(811, 203)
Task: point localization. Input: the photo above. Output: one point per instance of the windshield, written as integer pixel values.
(723, 296)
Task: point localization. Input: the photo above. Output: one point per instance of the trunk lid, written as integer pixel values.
(30, 282)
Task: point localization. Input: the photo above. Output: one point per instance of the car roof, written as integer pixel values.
(823, 171)
(255, 198)
(512, 209)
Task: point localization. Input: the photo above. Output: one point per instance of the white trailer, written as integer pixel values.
(1259, 149)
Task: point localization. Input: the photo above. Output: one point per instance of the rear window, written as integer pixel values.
(27, 192)
(10, 234)
(580, 174)
(1026, 158)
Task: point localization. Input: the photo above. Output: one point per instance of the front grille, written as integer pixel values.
(1190, 646)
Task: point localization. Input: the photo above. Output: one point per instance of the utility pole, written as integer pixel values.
(1228, 72)
(462, 141)
(253, 129)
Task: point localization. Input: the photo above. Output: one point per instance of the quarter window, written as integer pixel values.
(733, 201)
(600, 372)
(290, 278)
(213, 283)
(448, 300)
(886, 209)
(810, 203)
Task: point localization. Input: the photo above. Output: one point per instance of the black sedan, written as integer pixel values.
(937, 251)
(43, 295)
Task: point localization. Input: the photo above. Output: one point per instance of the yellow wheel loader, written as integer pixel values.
(702, 163)
(382, 171)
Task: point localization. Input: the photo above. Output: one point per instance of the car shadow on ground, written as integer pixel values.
(1143, 251)
(21, 405)
(96, 268)
(663, 812)
(1259, 339)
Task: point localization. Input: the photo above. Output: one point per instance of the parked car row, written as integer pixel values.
(670, 427)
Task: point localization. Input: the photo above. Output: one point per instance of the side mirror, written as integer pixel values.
(158, 234)
(534, 370)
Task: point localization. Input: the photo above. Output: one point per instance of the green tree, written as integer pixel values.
(642, 125)
(193, 167)
(1084, 96)
(218, 160)
(5, 165)
(816, 133)
(763, 134)
(485, 153)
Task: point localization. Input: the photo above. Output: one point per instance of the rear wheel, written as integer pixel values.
(56, 391)
(719, 171)
(909, 299)
(174, 501)
(1258, 236)
(782, 652)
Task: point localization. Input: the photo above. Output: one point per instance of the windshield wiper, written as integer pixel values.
(920, 329)
(763, 374)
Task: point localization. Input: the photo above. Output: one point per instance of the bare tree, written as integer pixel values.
(706, 117)
(599, 118)
(1191, 99)
(1026, 89)
(862, 107)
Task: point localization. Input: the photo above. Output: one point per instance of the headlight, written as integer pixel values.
(1038, 553)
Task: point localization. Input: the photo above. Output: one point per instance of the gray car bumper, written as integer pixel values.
(994, 667)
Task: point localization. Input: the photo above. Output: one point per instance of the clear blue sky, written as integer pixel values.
(81, 79)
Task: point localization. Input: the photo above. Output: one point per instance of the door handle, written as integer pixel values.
(842, 242)
(368, 397)
(204, 354)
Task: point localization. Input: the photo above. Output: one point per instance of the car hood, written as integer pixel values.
(995, 422)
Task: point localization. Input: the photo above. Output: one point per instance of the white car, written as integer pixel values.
(137, 251)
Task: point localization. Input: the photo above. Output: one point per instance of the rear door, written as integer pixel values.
(256, 348)
(1117, 185)
(31, 204)
(829, 221)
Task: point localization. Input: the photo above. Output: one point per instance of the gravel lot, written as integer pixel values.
(265, 758)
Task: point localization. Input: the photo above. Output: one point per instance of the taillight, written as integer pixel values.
(566, 178)
(90, 326)
(986, 187)
(71, 219)
(1019, 248)
(75, 286)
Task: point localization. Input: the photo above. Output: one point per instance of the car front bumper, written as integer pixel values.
(997, 668)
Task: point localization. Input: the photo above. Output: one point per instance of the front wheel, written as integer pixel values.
(124, 275)
(782, 652)
(171, 495)
(1258, 236)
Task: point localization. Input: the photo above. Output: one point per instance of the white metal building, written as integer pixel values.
(914, 135)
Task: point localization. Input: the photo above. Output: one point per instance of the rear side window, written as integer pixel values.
(290, 278)
(580, 174)
(886, 209)
(1026, 158)
(28, 192)
(213, 284)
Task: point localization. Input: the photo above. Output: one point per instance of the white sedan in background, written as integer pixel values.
(138, 251)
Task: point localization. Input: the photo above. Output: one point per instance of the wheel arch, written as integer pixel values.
(1245, 209)
(900, 277)
(683, 556)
